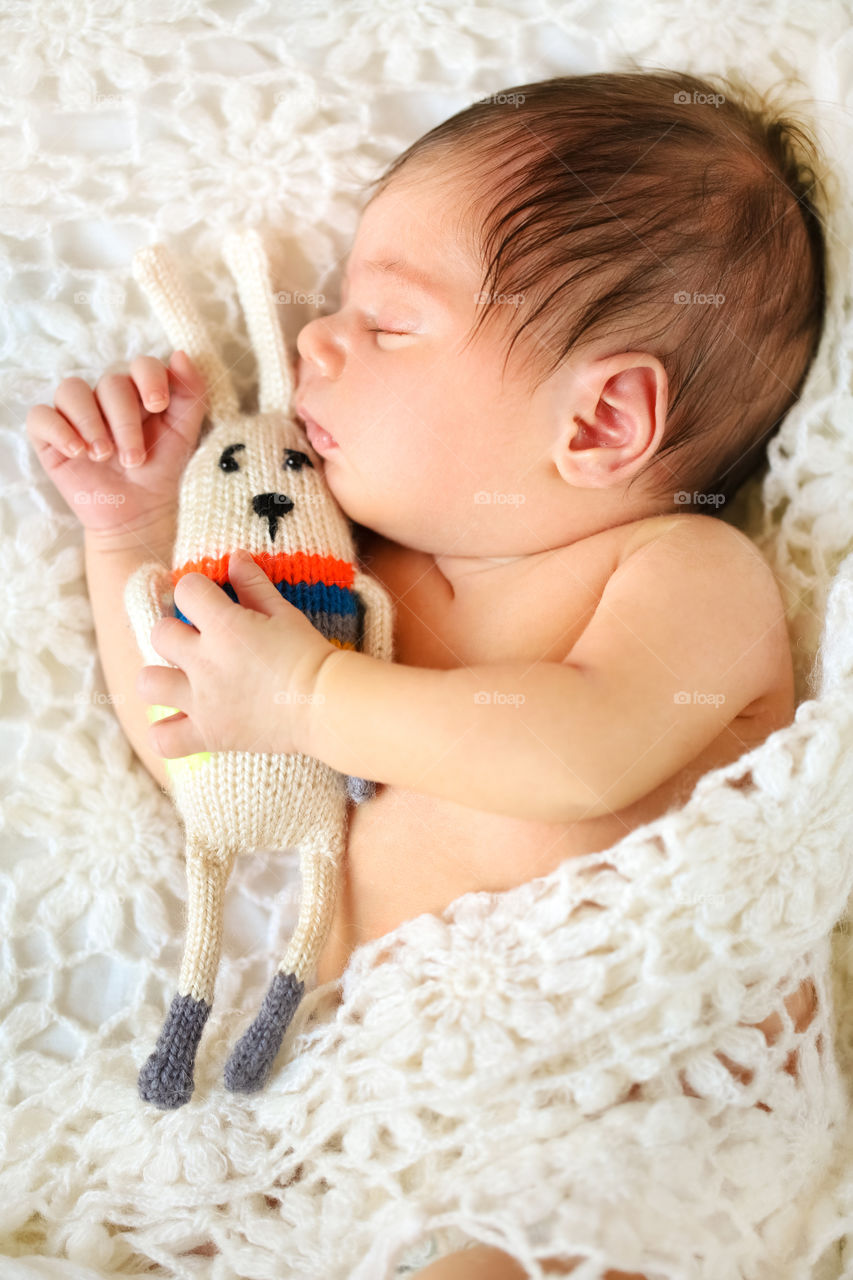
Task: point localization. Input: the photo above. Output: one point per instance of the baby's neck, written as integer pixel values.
(461, 574)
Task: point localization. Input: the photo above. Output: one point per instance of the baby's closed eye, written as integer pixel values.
(392, 335)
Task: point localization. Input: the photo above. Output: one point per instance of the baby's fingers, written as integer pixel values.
(75, 414)
(188, 397)
(118, 402)
(51, 435)
(152, 382)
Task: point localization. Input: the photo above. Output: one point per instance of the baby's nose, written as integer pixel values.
(316, 345)
(272, 507)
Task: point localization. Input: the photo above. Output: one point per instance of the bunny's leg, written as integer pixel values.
(167, 1077)
(252, 1057)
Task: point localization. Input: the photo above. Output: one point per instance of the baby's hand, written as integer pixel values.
(244, 673)
(116, 454)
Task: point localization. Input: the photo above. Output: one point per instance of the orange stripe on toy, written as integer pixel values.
(296, 566)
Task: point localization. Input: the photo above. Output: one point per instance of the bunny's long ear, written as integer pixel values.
(159, 277)
(247, 261)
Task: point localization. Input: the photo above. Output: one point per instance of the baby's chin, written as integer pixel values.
(351, 503)
(371, 516)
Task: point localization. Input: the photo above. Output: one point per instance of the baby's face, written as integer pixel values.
(432, 449)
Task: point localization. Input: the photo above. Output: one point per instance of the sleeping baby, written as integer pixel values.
(572, 316)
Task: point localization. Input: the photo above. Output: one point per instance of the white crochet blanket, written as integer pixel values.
(512, 1072)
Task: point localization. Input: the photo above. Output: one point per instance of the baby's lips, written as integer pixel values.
(318, 437)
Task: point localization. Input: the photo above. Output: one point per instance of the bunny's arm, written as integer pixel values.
(378, 617)
(378, 642)
(148, 596)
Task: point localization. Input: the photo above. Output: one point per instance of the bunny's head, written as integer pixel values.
(254, 482)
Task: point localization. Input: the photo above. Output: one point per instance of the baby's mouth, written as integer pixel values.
(318, 437)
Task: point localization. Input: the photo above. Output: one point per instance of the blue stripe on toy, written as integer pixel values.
(309, 597)
(318, 597)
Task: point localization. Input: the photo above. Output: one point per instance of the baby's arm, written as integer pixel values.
(108, 567)
(688, 632)
(128, 510)
(427, 730)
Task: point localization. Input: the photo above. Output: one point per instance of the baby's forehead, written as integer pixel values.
(431, 204)
(426, 229)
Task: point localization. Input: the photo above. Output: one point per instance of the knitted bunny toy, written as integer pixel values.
(251, 484)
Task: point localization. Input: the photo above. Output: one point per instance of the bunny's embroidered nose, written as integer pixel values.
(269, 506)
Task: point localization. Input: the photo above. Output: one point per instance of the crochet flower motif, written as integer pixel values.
(405, 33)
(257, 133)
(48, 622)
(73, 42)
(477, 994)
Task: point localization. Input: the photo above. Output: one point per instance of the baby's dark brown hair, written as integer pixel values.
(655, 211)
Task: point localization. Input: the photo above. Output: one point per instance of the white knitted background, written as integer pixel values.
(475, 1086)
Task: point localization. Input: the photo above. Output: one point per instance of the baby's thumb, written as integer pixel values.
(253, 587)
(187, 396)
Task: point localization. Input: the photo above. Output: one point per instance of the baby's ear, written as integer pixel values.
(618, 415)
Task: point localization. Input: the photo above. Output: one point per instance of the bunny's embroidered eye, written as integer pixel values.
(295, 461)
(228, 462)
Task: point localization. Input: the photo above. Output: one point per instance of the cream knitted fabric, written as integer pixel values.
(250, 484)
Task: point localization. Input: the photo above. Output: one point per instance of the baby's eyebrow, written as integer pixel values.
(410, 276)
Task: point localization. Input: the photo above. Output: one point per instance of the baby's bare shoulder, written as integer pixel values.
(689, 635)
(694, 589)
(704, 558)
(689, 529)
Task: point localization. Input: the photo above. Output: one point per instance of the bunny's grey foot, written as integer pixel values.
(251, 1060)
(167, 1077)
